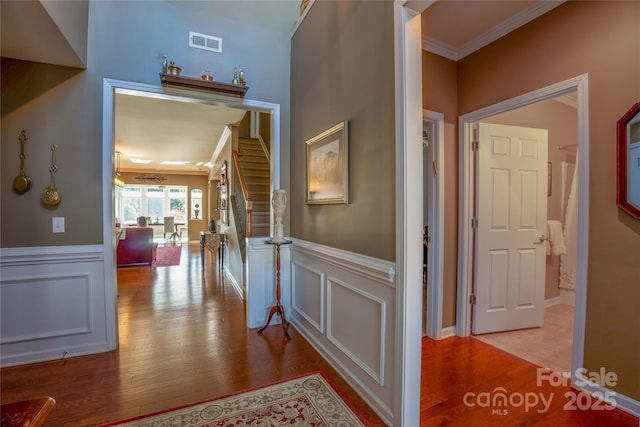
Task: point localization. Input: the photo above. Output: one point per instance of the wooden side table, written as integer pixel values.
(277, 308)
(30, 412)
(213, 241)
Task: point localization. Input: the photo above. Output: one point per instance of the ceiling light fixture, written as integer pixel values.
(174, 162)
(140, 161)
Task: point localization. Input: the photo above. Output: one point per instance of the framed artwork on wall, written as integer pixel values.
(222, 196)
(328, 166)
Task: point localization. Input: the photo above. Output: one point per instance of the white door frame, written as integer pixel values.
(436, 225)
(466, 203)
(109, 89)
(409, 219)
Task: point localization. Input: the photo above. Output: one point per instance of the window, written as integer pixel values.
(196, 203)
(152, 201)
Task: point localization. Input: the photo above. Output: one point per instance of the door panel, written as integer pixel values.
(512, 210)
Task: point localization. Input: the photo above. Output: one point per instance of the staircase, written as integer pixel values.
(254, 166)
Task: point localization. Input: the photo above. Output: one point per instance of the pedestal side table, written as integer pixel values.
(277, 308)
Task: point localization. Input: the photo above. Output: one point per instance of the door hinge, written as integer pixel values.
(472, 299)
(475, 145)
(474, 222)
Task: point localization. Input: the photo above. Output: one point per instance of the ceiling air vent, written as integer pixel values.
(203, 41)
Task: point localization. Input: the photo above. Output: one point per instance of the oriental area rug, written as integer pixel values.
(167, 256)
(308, 400)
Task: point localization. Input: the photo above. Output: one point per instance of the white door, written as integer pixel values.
(511, 228)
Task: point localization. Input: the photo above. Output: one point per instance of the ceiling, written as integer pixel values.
(154, 130)
(158, 129)
(455, 29)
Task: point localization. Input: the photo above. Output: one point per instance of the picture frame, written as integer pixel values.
(328, 166)
(222, 195)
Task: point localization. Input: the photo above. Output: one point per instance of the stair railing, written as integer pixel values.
(244, 202)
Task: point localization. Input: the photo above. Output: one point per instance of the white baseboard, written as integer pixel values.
(237, 286)
(622, 402)
(568, 297)
(551, 301)
(448, 332)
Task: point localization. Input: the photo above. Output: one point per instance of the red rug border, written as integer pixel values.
(154, 263)
(224, 396)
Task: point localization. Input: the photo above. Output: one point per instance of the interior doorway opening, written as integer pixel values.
(550, 344)
(433, 221)
(579, 85)
(110, 89)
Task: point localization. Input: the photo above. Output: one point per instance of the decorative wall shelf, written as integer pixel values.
(205, 85)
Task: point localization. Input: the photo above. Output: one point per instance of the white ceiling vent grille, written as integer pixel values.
(203, 41)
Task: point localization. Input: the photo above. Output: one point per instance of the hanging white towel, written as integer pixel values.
(555, 244)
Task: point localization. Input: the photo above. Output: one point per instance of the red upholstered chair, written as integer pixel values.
(137, 247)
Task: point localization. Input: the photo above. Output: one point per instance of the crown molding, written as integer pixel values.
(440, 48)
(505, 27)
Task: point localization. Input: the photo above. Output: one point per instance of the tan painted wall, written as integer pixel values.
(64, 106)
(440, 94)
(347, 74)
(603, 40)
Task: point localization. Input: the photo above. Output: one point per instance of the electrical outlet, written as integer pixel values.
(58, 224)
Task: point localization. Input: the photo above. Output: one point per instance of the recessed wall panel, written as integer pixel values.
(528, 199)
(307, 295)
(498, 278)
(526, 277)
(54, 306)
(350, 312)
(529, 148)
(500, 202)
(500, 146)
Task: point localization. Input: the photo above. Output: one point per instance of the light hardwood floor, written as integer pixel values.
(549, 346)
(183, 339)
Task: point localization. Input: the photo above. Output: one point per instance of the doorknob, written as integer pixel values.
(542, 238)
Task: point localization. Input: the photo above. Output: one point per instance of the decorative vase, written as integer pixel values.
(279, 204)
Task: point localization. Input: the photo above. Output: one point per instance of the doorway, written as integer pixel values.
(433, 217)
(110, 88)
(466, 244)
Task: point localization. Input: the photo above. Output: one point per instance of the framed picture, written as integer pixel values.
(222, 196)
(328, 167)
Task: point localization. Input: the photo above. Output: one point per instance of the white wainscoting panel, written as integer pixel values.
(344, 305)
(261, 281)
(345, 326)
(52, 303)
(308, 301)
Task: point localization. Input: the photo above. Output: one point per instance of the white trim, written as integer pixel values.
(448, 332)
(33, 255)
(236, 286)
(377, 375)
(465, 249)
(514, 22)
(304, 15)
(435, 279)
(551, 302)
(373, 268)
(408, 161)
(109, 88)
(441, 48)
(622, 402)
